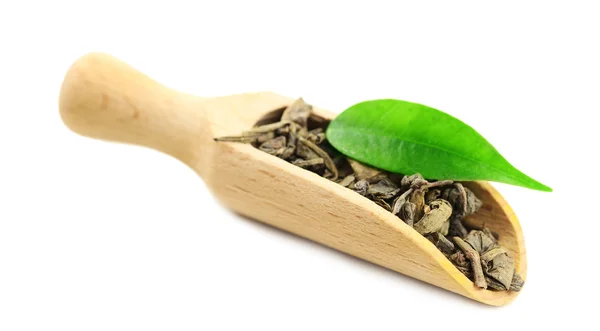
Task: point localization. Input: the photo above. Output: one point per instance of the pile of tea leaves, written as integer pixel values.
(435, 209)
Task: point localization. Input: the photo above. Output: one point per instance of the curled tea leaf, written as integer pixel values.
(383, 189)
(295, 131)
(400, 200)
(265, 137)
(462, 199)
(494, 284)
(432, 195)
(317, 136)
(298, 112)
(305, 152)
(480, 241)
(445, 227)
(517, 282)
(327, 159)
(362, 171)
(417, 197)
(491, 254)
(238, 139)
(435, 219)
(459, 259)
(407, 213)
(347, 181)
(441, 242)
(286, 153)
(266, 128)
(457, 228)
(307, 163)
(501, 269)
(361, 187)
(283, 130)
(275, 146)
(415, 181)
(495, 262)
(473, 256)
(490, 235)
(382, 203)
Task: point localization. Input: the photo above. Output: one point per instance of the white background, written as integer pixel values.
(102, 236)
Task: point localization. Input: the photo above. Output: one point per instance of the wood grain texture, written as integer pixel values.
(104, 98)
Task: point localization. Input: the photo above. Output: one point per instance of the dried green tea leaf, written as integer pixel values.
(461, 263)
(363, 171)
(489, 233)
(452, 195)
(265, 137)
(283, 130)
(441, 242)
(463, 199)
(262, 135)
(501, 268)
(438, 183)
(274, 146)
(473, 257)
(494, 284)
(266, 128)
(517, 282)
(308, 163)
(287, 153)
(445, 228)
(294, 133)
(315, 120)
(317, 136)
(457, 194)
(298, 112)
(361, 187)
(415, 181)
(328, 162)
(480, 241)
(457, 228)
(347, 181)
(459, 259)
(382, 203)
(400, 200)
(432, 194)
(406, 210)
(473, 203)
(306, 153)
(417, 197)
(407, 213)
(396, 178)
(491, 254)
(344, 169)
(384, 189)
(435, 219)
(238, 139)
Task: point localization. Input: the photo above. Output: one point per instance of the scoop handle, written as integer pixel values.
(102, 97)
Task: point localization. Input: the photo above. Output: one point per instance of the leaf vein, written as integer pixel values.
(356, 129)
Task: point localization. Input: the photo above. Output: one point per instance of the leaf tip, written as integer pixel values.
(535, 185)
(546, 188)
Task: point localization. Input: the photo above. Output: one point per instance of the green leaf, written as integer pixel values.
(407, 138)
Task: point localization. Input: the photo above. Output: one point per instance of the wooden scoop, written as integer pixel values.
(104, 98)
